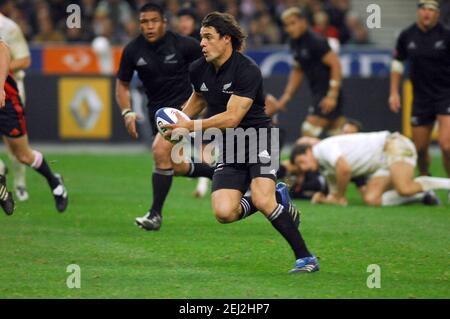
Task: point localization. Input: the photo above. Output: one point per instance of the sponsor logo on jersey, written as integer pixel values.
(412, 45)
(203, 88)
(226, 87)
(440, 45)
(169, 58)
(14, 132)
(141, 62)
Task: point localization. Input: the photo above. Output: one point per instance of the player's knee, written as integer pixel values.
(372, 200)
(263, 203)
(404, 190)
(444, 144)
(225, 213)
(160, 153)
(309, 129)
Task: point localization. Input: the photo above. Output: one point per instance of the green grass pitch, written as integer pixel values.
(193, 256)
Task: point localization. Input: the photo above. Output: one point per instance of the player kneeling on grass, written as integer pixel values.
(13, 127)
(231, 86)
(388, 159)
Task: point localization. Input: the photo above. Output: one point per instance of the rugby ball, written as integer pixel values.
(166, 115)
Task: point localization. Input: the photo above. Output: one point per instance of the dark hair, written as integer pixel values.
(354, 122)
(152, 7)
(298, 149)
(226, 24)
(187, 12)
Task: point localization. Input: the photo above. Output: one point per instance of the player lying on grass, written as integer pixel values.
(303, 185)
(388, 159)
(231, 86)
(13, 127)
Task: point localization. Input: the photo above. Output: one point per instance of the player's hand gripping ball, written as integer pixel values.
(166, 115)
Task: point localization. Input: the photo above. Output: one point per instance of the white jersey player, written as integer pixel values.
(20, 60)
(387, 159)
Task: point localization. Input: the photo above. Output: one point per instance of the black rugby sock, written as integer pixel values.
(40, 165)
(248, 208)
(200, 170)
(282, 221)
(161, 182)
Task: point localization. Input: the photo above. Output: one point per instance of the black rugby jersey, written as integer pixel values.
(240, 76)
(308, 51)
(163, 67)
(428, 54)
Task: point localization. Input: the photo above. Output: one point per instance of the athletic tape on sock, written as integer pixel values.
(165, 172)
(38, 158)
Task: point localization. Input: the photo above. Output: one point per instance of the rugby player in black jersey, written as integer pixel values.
(230, 85)
(426, 46)
(161, 59)
(315, 60)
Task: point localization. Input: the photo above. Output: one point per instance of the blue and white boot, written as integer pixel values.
(306, 264)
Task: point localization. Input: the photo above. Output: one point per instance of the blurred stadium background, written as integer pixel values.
(71, 109)
(75, 68)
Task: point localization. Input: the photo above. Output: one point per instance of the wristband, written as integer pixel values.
(332, 95)
(125, 112)
(334, 83)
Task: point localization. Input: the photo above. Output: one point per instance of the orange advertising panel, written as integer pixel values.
(78, 60)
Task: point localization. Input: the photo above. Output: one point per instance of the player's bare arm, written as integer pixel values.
(295, 80)
(20, 64)
(124, 101)
(329, 102)
(5, 58)
(396, 76)
(237, 107)
(195, 105)
(343, 177)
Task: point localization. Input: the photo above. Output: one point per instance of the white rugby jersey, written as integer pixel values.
(362, 151)
(13, 37)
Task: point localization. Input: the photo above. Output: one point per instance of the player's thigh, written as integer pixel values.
(228, 184)
(263, 194)
(402, 175)
(444, 132)
(375, 188)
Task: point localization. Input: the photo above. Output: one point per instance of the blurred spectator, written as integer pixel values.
(323, 27)
(445, 12)
(187, 23)
(47, 31)
(337, 12)
(116, 19)
(358, 31)
(263, 30)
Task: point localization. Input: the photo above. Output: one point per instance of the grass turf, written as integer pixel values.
(193, 256)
